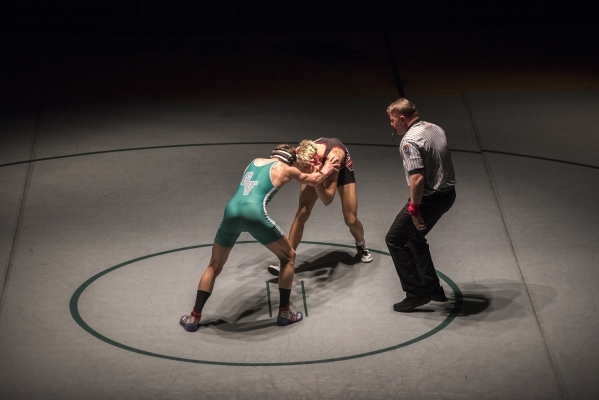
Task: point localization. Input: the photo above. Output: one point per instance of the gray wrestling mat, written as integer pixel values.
(102, 253)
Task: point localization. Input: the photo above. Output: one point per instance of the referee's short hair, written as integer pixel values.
(402, 106)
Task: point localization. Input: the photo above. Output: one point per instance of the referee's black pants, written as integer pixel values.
(409, 249)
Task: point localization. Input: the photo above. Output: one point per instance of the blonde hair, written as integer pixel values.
(402, 106)
(306, 151)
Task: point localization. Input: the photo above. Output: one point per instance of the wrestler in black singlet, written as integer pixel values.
(346, 170)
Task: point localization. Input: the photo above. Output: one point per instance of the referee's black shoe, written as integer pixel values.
(438, 295)
(410, 303)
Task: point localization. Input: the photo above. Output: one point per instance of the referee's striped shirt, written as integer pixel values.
(424, 145)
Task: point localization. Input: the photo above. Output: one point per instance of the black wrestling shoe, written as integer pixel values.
(410, 303)
(439, 295)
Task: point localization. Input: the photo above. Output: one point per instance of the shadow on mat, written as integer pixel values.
(244, 314)
(471, 304)
(328, 260)
(495, 300)
(236, 326)
(418, 310)
(324, 267)
(243, 319)
(246, 326)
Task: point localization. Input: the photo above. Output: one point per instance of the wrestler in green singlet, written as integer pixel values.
(246, 211)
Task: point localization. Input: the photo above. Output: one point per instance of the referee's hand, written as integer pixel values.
(418, 222)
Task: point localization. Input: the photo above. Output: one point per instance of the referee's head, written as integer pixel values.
(402, 106)
(402, 113)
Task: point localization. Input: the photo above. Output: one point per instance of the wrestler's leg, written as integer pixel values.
(307, 199)
(219, 257)
(349, 205)
(286, 254)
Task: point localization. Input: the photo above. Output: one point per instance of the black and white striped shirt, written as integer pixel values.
(425, 146)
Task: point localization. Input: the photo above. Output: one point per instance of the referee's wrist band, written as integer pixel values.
(414, 209)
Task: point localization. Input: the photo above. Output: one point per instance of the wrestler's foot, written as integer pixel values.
(364, 253)
(288, 316)
(410, 303)
(191, 323)
(274, 269)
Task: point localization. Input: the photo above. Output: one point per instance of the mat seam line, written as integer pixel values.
(17, 231)
(394, 65)
(554, 367)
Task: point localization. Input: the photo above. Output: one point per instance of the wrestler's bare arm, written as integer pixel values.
(326, 191)
(282, 173)
(336, 156)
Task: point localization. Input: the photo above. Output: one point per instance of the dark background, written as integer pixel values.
(183, 17)
(57, 49)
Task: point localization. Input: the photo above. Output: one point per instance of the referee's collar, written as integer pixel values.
(413, 123)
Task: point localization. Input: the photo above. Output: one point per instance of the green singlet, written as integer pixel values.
(246, 211)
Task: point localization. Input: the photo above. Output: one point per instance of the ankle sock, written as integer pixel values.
(201, 298)
(285, 294)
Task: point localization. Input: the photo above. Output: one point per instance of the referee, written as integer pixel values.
(429, 172)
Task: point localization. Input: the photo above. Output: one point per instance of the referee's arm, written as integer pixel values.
(416, 185)
(416, 193)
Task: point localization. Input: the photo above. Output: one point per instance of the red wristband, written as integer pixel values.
(414, 209)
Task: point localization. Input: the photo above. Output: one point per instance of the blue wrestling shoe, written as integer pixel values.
(191, 323)
(288, 316)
